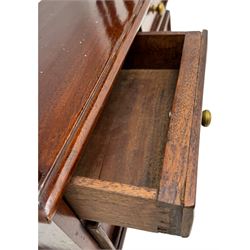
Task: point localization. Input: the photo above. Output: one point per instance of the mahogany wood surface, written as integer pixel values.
(191, 178)
(123, 205)
(178, 163)
(136, 151)
(131, 133)
(81, 47)
(155, 50)
(163, 201)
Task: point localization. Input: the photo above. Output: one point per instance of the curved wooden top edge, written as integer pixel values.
(52, 188)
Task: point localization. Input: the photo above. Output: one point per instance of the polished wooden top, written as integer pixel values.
(81, 47)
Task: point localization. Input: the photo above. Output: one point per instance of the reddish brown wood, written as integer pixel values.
(191, 178)
(123, 205)
(155, 50)
(84, 193)
(129, 175)
(118, 170)
(131, 133)
(81, 47)
(175, 165)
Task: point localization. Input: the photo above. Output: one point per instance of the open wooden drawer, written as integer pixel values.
(140, 164)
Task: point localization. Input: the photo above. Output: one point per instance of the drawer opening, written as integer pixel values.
(139, 166)
(128, 142)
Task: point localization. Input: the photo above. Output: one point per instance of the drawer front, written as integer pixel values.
(139, 167)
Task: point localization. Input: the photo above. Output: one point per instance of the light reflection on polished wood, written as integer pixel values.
(81, 47)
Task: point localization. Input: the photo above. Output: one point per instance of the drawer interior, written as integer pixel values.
(139, 166)
(128, 142)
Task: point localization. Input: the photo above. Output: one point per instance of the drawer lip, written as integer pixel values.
(179, 174)
(191, 179)
(172, 204)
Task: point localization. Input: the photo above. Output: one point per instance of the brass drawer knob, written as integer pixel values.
(206, 118)
(160, 8)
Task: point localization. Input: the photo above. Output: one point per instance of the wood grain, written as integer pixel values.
(80, 52)
(124, 205)
(131, 133)
(155, 50)
(191, 179)
(166, 203)
(175, 166)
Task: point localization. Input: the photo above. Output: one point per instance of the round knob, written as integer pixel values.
(160, 8)
(206, 118)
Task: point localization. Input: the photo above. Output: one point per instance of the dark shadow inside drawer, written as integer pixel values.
(127, 145)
